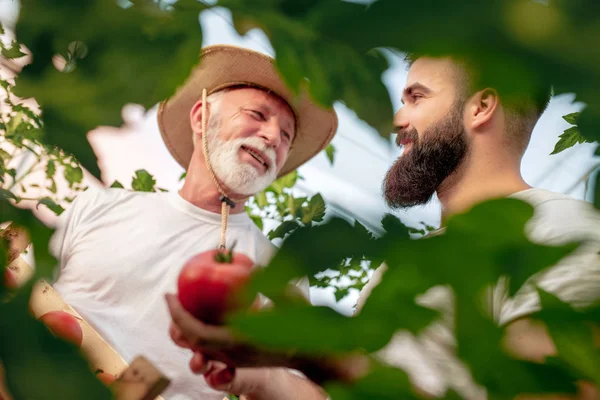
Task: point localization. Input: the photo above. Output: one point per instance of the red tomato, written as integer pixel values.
(63, 325)
(10, 279)
(106, 378)
(208, 284)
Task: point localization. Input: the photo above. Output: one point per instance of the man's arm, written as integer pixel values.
(528, 339)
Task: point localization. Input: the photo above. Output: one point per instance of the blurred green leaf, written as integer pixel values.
(330, 152)
(257, 221)
(311, 54)
(73, 174)
(127, 48)
(569, 138)
(308, 251)
(50, 169)
(572, 334)
(382, 383)
(286, 181)
(14, 51)
(143, 181)
(504, 377)
(35, 361)
(117, 184)
(283, 229)
(261, 199)
(8, 195)
(315, 211)
(182, 177)
(310, 330)
(51, 204)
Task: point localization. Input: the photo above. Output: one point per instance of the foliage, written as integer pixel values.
(570, 136)
(109, 54)
(23, 155)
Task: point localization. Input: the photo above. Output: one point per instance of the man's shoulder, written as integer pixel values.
(558, 216)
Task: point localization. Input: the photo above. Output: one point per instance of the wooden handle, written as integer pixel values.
(138, 381)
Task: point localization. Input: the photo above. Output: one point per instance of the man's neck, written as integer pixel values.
(200, 190)
(473, 184)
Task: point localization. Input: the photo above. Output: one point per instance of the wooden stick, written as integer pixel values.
(139, 379)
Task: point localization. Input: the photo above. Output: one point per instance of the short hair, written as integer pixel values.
(524, 99)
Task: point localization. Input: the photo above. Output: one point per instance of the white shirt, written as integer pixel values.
(121, 251)
(557, 220)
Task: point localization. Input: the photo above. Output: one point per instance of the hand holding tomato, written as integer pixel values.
(210, 282)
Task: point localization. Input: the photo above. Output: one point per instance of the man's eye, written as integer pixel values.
(417, 96)
(258, 115)
(286, 135)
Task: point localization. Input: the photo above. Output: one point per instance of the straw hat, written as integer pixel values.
(224, 66)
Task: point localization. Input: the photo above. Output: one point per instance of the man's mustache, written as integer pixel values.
(403, 135)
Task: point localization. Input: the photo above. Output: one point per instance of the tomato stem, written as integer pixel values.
(226, 256)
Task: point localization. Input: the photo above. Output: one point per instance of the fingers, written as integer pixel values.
(199, 364)
(178, 337)
(193, 330)
(221, 377)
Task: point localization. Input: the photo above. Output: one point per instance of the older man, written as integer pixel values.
(235, 127)
(464, 140)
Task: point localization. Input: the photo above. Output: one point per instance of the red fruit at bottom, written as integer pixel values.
(10, 279)
(208, 288)
(106, 378)
(63, 325)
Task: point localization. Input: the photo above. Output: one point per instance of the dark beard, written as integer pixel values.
(414, 177)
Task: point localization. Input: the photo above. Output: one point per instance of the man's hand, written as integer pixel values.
(218, 343)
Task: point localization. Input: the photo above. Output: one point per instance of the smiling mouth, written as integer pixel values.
(257, 156)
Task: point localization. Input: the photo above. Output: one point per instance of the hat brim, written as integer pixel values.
(224, 66)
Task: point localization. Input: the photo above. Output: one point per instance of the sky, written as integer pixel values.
(352, 186)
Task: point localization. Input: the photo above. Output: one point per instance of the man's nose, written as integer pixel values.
(270, 132)
(400, 120)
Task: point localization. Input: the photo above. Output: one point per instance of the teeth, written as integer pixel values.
(255, 155)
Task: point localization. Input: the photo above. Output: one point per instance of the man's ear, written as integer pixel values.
(196, 119)
(481, 108)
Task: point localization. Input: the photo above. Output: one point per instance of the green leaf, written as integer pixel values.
(143, 181)
(117, 184)
(315, 211)
(503, 376)
(73, 174)
(330, 153)
(14, 51)
(53, 188)
(257, 221)
(145, 43)
(261, 199)
(286, 181)
(283, 229)
(182, 177)
(50, 169)
(48, 202)
(35, 361)
(571, 118)
(573, 335)
(309, 329)
(312, 52)
(308, 251)
(341, 293)
(382, 383)
(1, 30)
(8, 195)
(569, 138)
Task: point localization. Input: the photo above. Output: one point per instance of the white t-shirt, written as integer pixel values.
(558, 219)
(121, 251)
